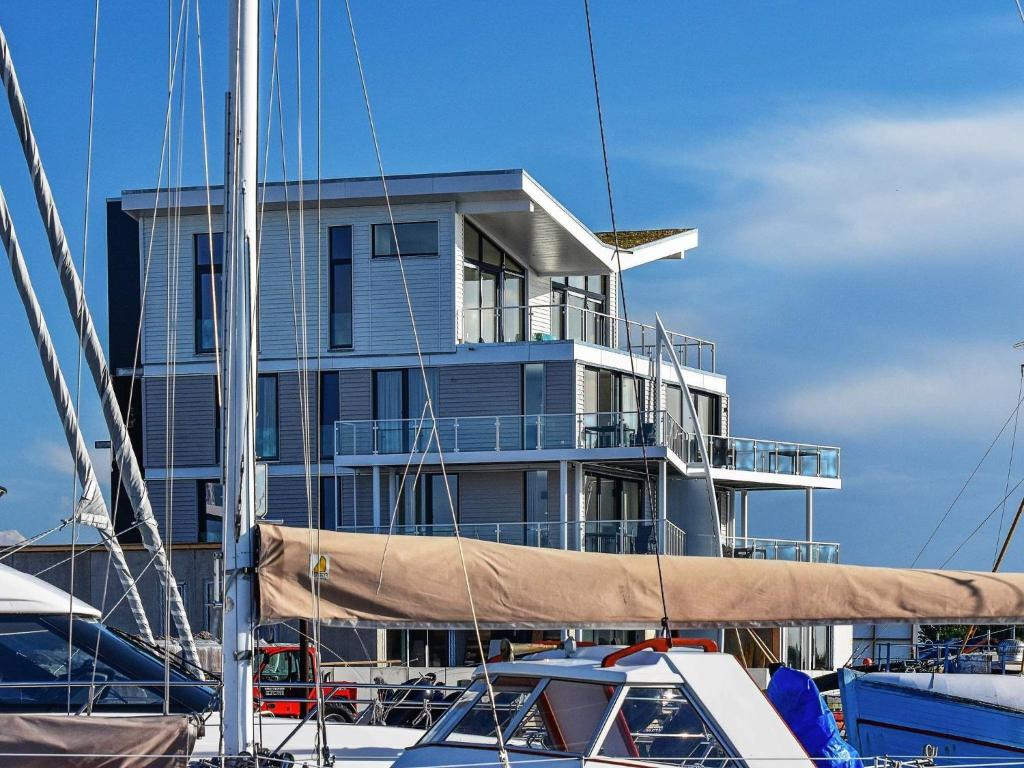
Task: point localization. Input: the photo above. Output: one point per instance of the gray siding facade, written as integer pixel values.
(182, 416)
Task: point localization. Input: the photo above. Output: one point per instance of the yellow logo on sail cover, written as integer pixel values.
(321, 566)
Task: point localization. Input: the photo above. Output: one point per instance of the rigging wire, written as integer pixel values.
(625, 314)
(81, 327)
(967, 482)
(499, 736)
(981, 525)
(1009, 465)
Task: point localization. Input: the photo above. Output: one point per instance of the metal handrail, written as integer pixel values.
(772, 456)
(511, 432)
(532, 322)
(634, 536)
(770, 549)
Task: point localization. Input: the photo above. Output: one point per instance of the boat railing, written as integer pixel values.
(617, 537)
(562, 322)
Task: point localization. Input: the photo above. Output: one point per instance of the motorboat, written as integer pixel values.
(114, 675)
(659, 701)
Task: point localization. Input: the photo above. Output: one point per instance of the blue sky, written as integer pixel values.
(855, 169)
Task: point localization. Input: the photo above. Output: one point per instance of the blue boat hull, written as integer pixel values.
(885, 717)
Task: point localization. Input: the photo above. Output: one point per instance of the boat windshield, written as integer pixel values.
(662, 725)
(533, 713)
(106, 671)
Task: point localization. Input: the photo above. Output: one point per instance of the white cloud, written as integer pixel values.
(931, 392)
(864, 187)
(10, 537)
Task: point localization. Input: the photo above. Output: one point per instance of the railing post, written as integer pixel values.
(497, 533)
(456, 426)
(497, 433)
(537, 418)
(375, 445)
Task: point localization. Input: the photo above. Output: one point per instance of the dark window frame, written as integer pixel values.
(325, 376)
(499, 271)
(202, 524)
(277, 416)
(561, 290)
(200, 273)
(398, 224)
(332, 261)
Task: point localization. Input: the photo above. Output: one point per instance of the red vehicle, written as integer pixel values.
(283, 685)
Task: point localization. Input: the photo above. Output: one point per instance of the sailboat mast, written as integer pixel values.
(240, 273)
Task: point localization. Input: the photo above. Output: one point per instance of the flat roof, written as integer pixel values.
(509, 204)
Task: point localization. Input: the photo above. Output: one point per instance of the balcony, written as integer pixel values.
(559, 322)
(617, 431)
(746, 454)
(614, 537)
(464, 434)
(780, 549)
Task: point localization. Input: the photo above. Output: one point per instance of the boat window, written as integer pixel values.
(661, 725)
(564, 718)
(34, 671)
(476, 719)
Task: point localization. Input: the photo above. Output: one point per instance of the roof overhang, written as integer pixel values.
(509, 205)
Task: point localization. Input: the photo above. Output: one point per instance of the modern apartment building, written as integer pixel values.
(546, 437)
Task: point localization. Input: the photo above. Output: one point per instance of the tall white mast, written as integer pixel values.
(241, 270)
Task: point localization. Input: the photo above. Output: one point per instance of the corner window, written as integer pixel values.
(661, 725)
(266, 416)
(493, 291)
(208, 289)
(340, 278)
(414, 239)
(211, 511)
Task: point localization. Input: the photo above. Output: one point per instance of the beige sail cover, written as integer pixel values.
(420, 583)
(48, 741)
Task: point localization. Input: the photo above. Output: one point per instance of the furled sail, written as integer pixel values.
(418, 582)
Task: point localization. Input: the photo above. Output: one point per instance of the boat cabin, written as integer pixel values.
(648, 703)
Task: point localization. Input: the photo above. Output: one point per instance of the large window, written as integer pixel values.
(208, 289)
(211, 511)
(414, 239)
(341, 287)
(580, 309)
(424, 503)
(493, 293)
(266, 416)
(399, 402)
(707, 405)
(614, 415)
(330, 411)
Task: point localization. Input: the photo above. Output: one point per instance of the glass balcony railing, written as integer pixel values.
(781, 549)
(557, 322)
(615, 537)
(618, 429)
(580, 431)
(769, 456)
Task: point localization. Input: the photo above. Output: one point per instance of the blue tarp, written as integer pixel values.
(798, 701)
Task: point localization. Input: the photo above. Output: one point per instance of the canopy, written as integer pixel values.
(96, 742)
(420, 583)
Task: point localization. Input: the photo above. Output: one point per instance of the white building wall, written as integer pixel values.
(294, 285)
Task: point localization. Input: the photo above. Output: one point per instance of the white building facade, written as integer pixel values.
(545, 436)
